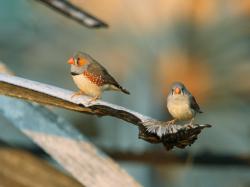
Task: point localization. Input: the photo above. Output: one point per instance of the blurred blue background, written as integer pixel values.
(149, 44)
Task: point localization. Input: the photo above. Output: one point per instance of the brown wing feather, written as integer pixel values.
(194, 104)
(98, 70)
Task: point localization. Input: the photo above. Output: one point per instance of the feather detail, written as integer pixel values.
(97, 70)
(93, 78)
(194, 105)
(123, 90)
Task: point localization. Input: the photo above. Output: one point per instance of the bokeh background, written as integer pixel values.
(149, 44)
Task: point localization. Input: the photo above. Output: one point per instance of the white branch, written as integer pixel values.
(151, 130)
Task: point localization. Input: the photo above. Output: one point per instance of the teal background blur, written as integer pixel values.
(149, 44)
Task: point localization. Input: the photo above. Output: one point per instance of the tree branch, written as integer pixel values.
(205, 158)
(68, 9)
(161, 157)
(150, 130)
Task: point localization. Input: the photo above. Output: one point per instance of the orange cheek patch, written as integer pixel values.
(81, 62)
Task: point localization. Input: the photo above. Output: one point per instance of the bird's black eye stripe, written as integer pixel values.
(77, 60)
(182, 91)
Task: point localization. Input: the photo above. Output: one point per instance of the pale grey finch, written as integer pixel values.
(91, 77)
(181, 103)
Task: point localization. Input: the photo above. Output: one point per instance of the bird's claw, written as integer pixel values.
(190, 125)
(93, 99)
(76, 94)
(172, 122)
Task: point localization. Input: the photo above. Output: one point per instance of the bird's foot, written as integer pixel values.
(190, 125)
(172, 122)
(77, 94)
(93, 99)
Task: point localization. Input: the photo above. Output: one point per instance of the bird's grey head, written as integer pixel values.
(78, 62)
(178, 88)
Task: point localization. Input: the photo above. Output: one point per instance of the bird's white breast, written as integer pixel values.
(85, 85)
(179, 107)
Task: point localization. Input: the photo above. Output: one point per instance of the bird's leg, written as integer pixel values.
(172, 122)
(77, 94)
(191, 123)
(94, 99)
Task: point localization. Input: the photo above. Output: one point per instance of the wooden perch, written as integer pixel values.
(68, 9)
(150, 129)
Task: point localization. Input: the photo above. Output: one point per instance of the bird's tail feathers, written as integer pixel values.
(123, 89)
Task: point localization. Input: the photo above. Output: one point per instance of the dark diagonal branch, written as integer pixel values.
(81, 16)
(150, 129)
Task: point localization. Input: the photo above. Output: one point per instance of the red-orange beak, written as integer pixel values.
(177, 91)
(71, 61)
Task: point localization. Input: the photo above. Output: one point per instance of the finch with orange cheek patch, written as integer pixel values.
(91, 77)
(181, 103)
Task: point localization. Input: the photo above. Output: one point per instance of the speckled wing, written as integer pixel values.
(98, 70)
(194, 104)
